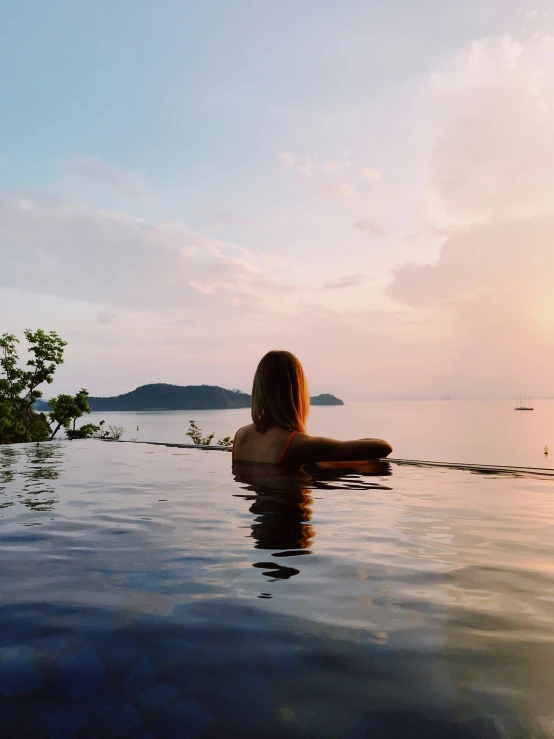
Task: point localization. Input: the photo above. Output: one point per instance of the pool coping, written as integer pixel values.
(482, 468)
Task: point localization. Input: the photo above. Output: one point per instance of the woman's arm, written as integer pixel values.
(305, 448)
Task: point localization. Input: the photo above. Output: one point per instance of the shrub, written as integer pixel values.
(195, 434)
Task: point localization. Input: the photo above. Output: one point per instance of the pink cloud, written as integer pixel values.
(334, 190)
(370, 226)
(491, 190)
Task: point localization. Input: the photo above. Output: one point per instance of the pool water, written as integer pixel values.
(149, 591)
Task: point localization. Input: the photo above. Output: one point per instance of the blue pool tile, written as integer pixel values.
(182, 719)
(8, 717)
(57, 644)
(63, 721)
(154, 698)
(103, 701)
(182, 609)
(18, 675)
(25, 727)
(81, 673)
(389, 724)
(11, 635)
(117, 649)
(246, 677)
(94, 620)
(141, 676)
(120, 722)
(283, 657)
(170, 651)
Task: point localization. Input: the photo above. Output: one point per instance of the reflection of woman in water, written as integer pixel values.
(281, 502)
(280, 406)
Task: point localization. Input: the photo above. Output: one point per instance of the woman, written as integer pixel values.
(280, 406)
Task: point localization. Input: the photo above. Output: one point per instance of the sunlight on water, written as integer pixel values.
(152, 592)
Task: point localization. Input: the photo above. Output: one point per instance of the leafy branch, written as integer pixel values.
(195, 434)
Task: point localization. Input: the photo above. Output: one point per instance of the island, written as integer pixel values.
(164, 397)
(326, 399)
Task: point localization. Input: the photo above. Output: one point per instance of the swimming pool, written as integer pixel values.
(146, 592)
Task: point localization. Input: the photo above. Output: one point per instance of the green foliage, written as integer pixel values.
(196, 435)
(19, 387)
(86, 431)
(66, 409)
(93, 431)
(19, 422)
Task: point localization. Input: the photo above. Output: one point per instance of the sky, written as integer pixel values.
(186, 185)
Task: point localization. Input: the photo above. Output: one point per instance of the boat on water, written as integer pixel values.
(524, 406)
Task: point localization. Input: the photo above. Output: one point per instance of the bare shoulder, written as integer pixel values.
(245, 431)
(245, 437)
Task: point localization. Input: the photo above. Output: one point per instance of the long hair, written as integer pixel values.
(280, 395)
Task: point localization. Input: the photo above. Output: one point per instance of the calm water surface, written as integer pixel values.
(483, 432)
(149, 592)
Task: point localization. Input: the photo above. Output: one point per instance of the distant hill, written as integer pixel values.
(172, 397)
(163, 397)
(326, 399)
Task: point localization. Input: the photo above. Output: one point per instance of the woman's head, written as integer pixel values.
(280, 394)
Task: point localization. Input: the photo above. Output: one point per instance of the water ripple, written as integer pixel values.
(145, 590)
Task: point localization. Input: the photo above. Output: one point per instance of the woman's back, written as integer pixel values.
(271, 446)
(294, 449)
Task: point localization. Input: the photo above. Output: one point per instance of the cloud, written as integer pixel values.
(531, 14)
(220, 217)
(370, 226)
(345, 282)
(498, 117)
(157, 302)
(336, 167)
(311, 167)
(96, 170)
(371, 175)
(56, 247)
(334, 189)
(287, 158)
(106, 317)
(305, 168)
(491, 194)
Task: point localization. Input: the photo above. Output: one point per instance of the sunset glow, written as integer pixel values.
(370, 188)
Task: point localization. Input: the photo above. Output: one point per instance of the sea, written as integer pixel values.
(462, 432)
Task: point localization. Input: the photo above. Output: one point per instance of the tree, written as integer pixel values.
(19, 387)
(66, 409)
(19, 422)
